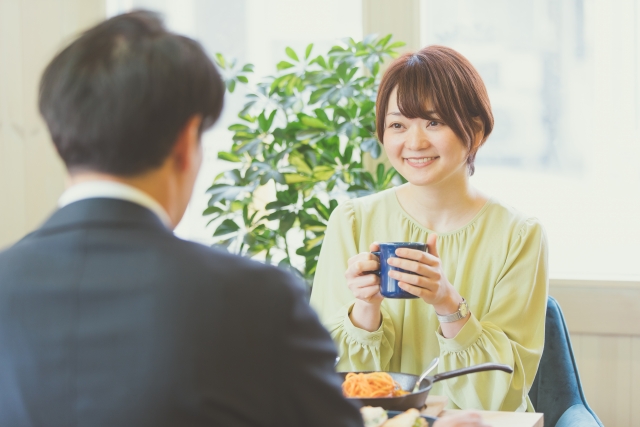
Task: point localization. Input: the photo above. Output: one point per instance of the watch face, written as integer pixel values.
(464, 310)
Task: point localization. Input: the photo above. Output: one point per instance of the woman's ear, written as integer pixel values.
(478, 136)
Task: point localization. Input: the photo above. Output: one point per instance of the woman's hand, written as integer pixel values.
(365, 286)
(429, 282)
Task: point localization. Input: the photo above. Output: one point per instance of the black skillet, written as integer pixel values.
(417, 399)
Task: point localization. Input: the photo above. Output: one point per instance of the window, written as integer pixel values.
(564, 82)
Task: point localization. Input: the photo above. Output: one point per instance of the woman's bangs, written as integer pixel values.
(416, 96)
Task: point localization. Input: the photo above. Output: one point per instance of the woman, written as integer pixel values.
(433, 113)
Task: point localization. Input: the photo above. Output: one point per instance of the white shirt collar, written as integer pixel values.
(113, 190)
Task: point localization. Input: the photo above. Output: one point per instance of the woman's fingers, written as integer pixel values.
(362, 256)
(364, 281)
(363, 267)
(365, 287)
(412, 279)
(366, 294)
(375, 246)
(417, 267)
(424, 293)
(420, 256)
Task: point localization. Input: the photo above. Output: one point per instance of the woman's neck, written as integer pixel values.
(442, 207)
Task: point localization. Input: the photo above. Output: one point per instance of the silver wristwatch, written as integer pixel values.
(463, 311)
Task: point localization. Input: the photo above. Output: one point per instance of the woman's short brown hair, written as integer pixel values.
(446, 80)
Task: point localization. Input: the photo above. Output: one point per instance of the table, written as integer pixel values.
(506, 419)
(435, 405)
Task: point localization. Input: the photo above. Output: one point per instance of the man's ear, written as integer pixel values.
(187, 143)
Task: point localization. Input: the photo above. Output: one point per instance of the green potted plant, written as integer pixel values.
(300, 141)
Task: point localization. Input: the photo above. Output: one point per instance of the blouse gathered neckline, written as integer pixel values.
(417, 224)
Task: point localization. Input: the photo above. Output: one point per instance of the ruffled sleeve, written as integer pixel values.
(358, 349)
(511, 332)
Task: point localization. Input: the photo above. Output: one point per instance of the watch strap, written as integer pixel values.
(463, 311)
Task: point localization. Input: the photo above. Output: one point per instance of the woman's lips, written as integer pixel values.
(420, 162)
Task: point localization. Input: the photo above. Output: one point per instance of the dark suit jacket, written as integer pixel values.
(108, 319)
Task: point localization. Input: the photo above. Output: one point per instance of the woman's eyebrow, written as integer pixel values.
(429, 113)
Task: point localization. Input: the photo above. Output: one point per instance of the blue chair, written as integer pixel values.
(556, 390)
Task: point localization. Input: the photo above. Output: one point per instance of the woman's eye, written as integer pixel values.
(432, 124)
(395, 126)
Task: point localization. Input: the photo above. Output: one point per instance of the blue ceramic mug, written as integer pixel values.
(389, 286)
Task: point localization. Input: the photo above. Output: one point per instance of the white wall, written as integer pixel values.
(31, 175)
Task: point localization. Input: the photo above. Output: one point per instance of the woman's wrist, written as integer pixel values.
(448, 304)
(365, 315)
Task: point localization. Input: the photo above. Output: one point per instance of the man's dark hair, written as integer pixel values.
(116, 98)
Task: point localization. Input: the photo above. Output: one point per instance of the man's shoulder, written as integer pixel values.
(155, 254)
(219, 264)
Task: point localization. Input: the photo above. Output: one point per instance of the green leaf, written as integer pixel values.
(323, 172)
(286, 222)
(229, 157)
(248, 68)
(308, 51)
(219, 192)
(318, 94)
(291, 54)
(239, 128)
(369, 144)
(342, 71)
(211, 210)
(376, 69)
(322, 210)
(283, 65)
(226, 227)
(298, 161)
(383, 41)
(313, 122)
(380, 173)
(320, 61)
(275, 216)
(307, 134)
(243, 79)
(292, 178)
(270, 120)
(220, 60)
(395, 45)
(276, 205)
(313, 242)
(231, 86)
(352, 73)
(315, 228)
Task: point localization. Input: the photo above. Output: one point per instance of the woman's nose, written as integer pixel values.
(416, 139)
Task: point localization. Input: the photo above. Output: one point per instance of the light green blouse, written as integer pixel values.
(497, 262)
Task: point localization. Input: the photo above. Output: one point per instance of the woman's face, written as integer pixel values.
(423, 151)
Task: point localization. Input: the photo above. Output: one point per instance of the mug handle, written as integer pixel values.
(376, 272)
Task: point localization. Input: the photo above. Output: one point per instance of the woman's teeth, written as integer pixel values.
(421, 160)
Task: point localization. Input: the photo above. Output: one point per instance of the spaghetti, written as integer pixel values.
(374, 384)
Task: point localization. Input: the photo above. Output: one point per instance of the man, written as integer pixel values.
(108, 319)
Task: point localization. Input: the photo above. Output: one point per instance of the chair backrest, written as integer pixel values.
(557, 387)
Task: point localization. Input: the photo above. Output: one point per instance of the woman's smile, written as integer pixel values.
(420, 162)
